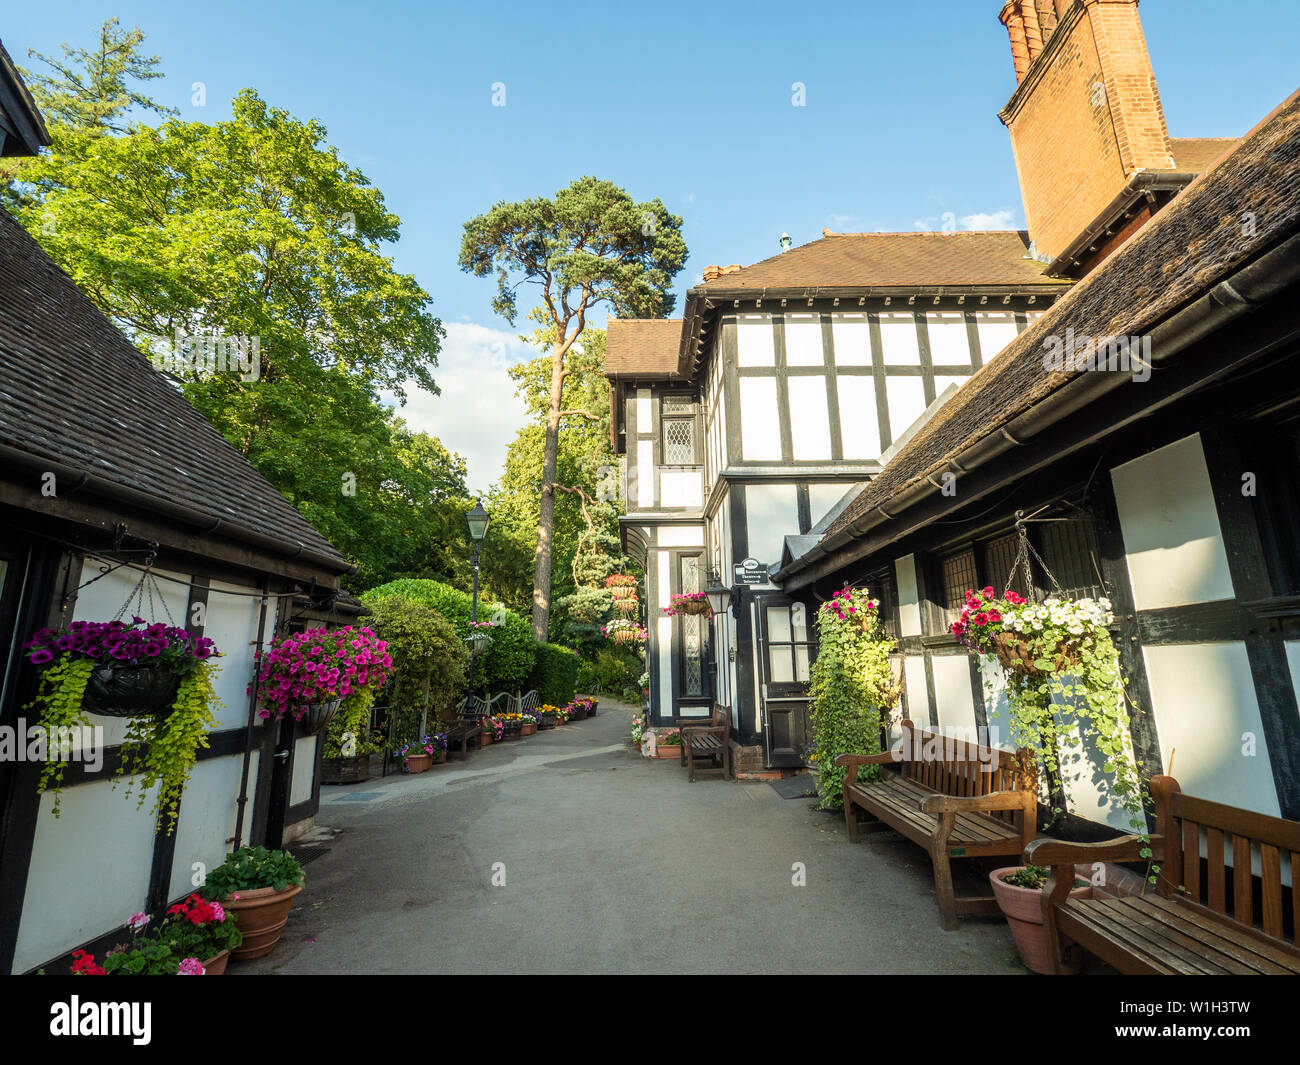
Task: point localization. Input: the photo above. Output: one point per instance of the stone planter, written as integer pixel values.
(578, 714)
(345, 770)
(419, 763)
(261, 914)
(1023, 908)
(549, 721)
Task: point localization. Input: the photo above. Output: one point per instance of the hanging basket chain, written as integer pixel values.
(145, 586)
(1023, 552)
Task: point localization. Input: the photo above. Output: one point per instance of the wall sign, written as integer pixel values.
(751, 571)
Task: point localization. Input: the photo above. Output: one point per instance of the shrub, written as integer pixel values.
(509, 658)
(555, 674)
(611, 673)
(430, 660)
(852, 687)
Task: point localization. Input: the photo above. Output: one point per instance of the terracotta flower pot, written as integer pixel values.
(485, 738)
(1023, 908)
(637, 745)
(672, 750)
(419, 763)
(528, 728)
(216, 966)
(260, 914)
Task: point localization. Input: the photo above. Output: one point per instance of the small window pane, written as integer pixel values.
(780, 666)
(679, 441)
(679, 403)
(801, 662)
(778, 624)
(959, 577)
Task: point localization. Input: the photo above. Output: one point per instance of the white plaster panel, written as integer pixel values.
(645, 473)
(644, 425)
(952, 692)
(851, 335)
(1205, 712)
(681, 536)
(821, 497)
(898, 339)
(906, 397)
(918, 698)
(304, 769)
(207, 819)
(772, 513)
(909, 600)
(803, 340)
(1174, 545)
(760, 425)
(859, 422)
(681, 488)
(89, 870)
(232, 625)
(996, 331)
(755, 343)
(949, 345)
(810, 430)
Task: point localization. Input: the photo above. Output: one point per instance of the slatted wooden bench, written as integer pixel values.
(468, 725)
(955, 799)
(708, 741)
(1188, 924)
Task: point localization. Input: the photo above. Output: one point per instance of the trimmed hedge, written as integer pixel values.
(555, 674)
(507, 662)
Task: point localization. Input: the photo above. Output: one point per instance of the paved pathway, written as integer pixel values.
(603, 851)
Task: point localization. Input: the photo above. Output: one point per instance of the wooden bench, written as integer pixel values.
(1228, 921)
(955, 799)
(708, 741)
(468, 724)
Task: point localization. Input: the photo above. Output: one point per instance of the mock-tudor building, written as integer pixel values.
(753, 427)
(106, 470)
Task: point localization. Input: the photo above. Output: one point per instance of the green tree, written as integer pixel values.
(591, 245)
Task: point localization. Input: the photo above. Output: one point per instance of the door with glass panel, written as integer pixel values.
(787, 651)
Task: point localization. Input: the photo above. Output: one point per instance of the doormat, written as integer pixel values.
(803, 786)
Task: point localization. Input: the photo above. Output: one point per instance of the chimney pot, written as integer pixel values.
(712, 273)
(1011, 18)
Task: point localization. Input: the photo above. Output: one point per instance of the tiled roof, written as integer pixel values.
(1197, 154)
(893, 260)
(642, 347)
(1183, 252)
(76, 392)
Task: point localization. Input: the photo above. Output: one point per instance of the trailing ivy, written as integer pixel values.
(62, 687)
(852, 687)
(164, 750)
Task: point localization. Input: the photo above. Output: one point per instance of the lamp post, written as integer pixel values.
(719, 598)
(478, 525)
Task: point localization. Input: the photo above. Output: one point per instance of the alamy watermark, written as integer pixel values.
(209, 353)
(1131, 355)
(66, 743)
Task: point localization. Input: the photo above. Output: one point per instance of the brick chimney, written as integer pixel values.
(1085, 115)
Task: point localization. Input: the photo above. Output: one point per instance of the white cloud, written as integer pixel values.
(478, 413)
(1003, 219)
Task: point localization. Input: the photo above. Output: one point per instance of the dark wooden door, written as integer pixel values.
(785, 653)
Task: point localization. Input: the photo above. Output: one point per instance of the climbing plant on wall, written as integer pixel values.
(852, 686)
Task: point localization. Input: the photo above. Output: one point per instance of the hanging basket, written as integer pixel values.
(131, 691)
(623, 591)
(318, 715)
(1015, 654)
(627, 606)
(693, 607)
(478, 643)
(626, 636)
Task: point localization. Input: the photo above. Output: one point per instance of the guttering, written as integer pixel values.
(1144, 184)
(202, 523)
(1228, 300)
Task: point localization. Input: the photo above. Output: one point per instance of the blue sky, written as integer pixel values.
(686, 102)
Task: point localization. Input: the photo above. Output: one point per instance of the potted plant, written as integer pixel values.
(548, 716)
(621, 630)
(637, 732)
(309, 675)
(688, 603)
(418, 756)
(577, 711)
(627, 606)
(349, 743)
(530, 723)
(1061, 666)
(1019, 891)
(157, 676)
(588, 706)
(512, 726)
(438, 741)
(493, 726)
(621, 586)
(480, 636)
(259, 885)
(195, 938)
(668, 743)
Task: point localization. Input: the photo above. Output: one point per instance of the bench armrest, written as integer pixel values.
(998, 800)
(1125, 849)
(703, 730)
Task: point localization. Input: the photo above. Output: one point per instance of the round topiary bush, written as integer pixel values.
(507, 662)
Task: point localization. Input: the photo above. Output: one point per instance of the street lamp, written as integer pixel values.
(478, 525)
